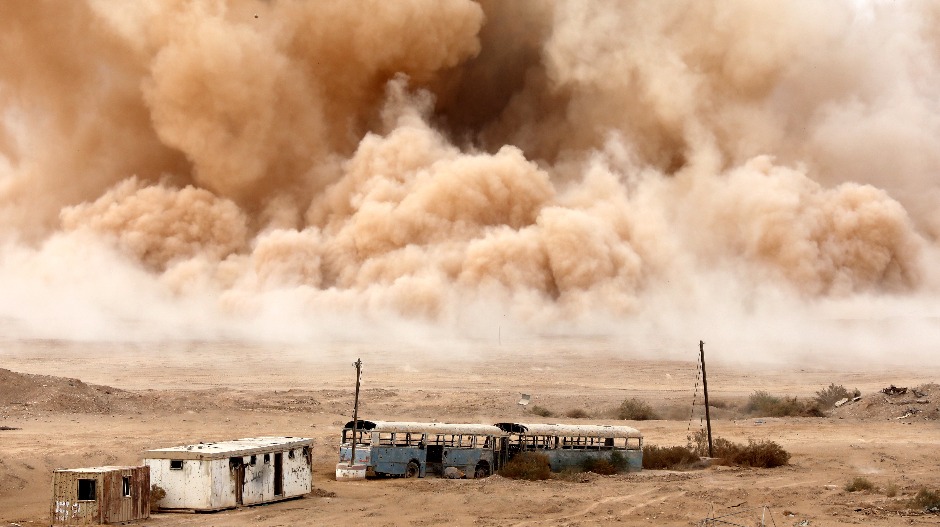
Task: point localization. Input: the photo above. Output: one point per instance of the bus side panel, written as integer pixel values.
(466, 459)
(362, 454)
(394, 460)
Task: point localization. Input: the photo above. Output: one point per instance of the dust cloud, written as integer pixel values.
(762, 175)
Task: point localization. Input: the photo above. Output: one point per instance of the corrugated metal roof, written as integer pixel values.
(235, 447)
(544, 429)
(431, 428)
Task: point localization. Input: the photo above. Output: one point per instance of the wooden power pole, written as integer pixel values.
(708, 419)
(355, 439)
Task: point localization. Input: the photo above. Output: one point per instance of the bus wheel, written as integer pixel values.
(482, 471)
(412, 470)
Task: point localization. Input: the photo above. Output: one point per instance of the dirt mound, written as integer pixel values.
(24, 391)
(902, 404)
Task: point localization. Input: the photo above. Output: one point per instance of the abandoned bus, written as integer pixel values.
(416, 449)
(573, 445)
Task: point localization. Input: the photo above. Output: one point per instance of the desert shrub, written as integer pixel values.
(926, 499)
(891, 490)
(759, 454)
(636, 410)
(655, 457)
(542, 411)
(156, 494)
(763, 404)
(858, 484)
(828, 397)
(527, 465)
(599, 465)
(576, 413)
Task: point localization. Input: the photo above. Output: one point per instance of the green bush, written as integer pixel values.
(655, 457)
(858, 484)
(636, 410)
(531, 466)
(542, 411)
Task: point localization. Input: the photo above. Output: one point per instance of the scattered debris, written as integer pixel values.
(9, 428)
(524, 400)
(910, 413)
(894, 390)
(841, 401)
(454, 473)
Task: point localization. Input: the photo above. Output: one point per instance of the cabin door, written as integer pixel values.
(279, 474)
(237, 467)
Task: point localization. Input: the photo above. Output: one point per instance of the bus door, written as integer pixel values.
(502, 456)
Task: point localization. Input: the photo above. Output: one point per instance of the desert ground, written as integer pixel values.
(89, 404)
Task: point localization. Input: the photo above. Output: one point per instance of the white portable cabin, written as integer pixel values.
(227, 474)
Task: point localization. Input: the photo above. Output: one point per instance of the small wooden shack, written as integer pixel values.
(97, 495)
(228, 474)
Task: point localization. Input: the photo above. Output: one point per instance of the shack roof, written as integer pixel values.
(108, 468)
(544, 429)
(430, 428)
(235, 447)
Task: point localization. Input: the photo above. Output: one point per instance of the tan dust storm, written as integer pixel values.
(746, 172)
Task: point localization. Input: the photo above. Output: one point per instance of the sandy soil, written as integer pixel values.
(97, 404)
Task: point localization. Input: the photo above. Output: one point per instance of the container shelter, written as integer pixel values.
(100, 495)
(228, 474)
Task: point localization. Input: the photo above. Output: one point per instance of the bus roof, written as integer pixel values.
(541, 429)
(431, 428)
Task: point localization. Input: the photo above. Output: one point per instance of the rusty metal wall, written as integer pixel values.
(110, 504)
(116, 507)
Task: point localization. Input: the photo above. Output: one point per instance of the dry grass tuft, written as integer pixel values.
(858, 484)
(541, 411)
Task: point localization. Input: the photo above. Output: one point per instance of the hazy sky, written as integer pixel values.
(653, 171)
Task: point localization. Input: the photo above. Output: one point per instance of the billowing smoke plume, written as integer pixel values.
(565, 164)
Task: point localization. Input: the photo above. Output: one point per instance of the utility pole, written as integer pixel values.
(355, 438)
(708, 419)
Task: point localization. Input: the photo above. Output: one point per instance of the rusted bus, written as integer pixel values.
(573, 445)
(100, 495)
(413, 449)
(228, 474)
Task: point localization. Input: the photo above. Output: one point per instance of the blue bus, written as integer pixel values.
(572, 445)
(411, 450)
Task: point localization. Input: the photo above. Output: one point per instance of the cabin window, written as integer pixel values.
(126, 485)
(86, 490)
(254, 460)
(290, 454)
(176, 464)
(267, 458)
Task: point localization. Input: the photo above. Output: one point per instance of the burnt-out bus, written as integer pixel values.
(573, 445)
(408, 449)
